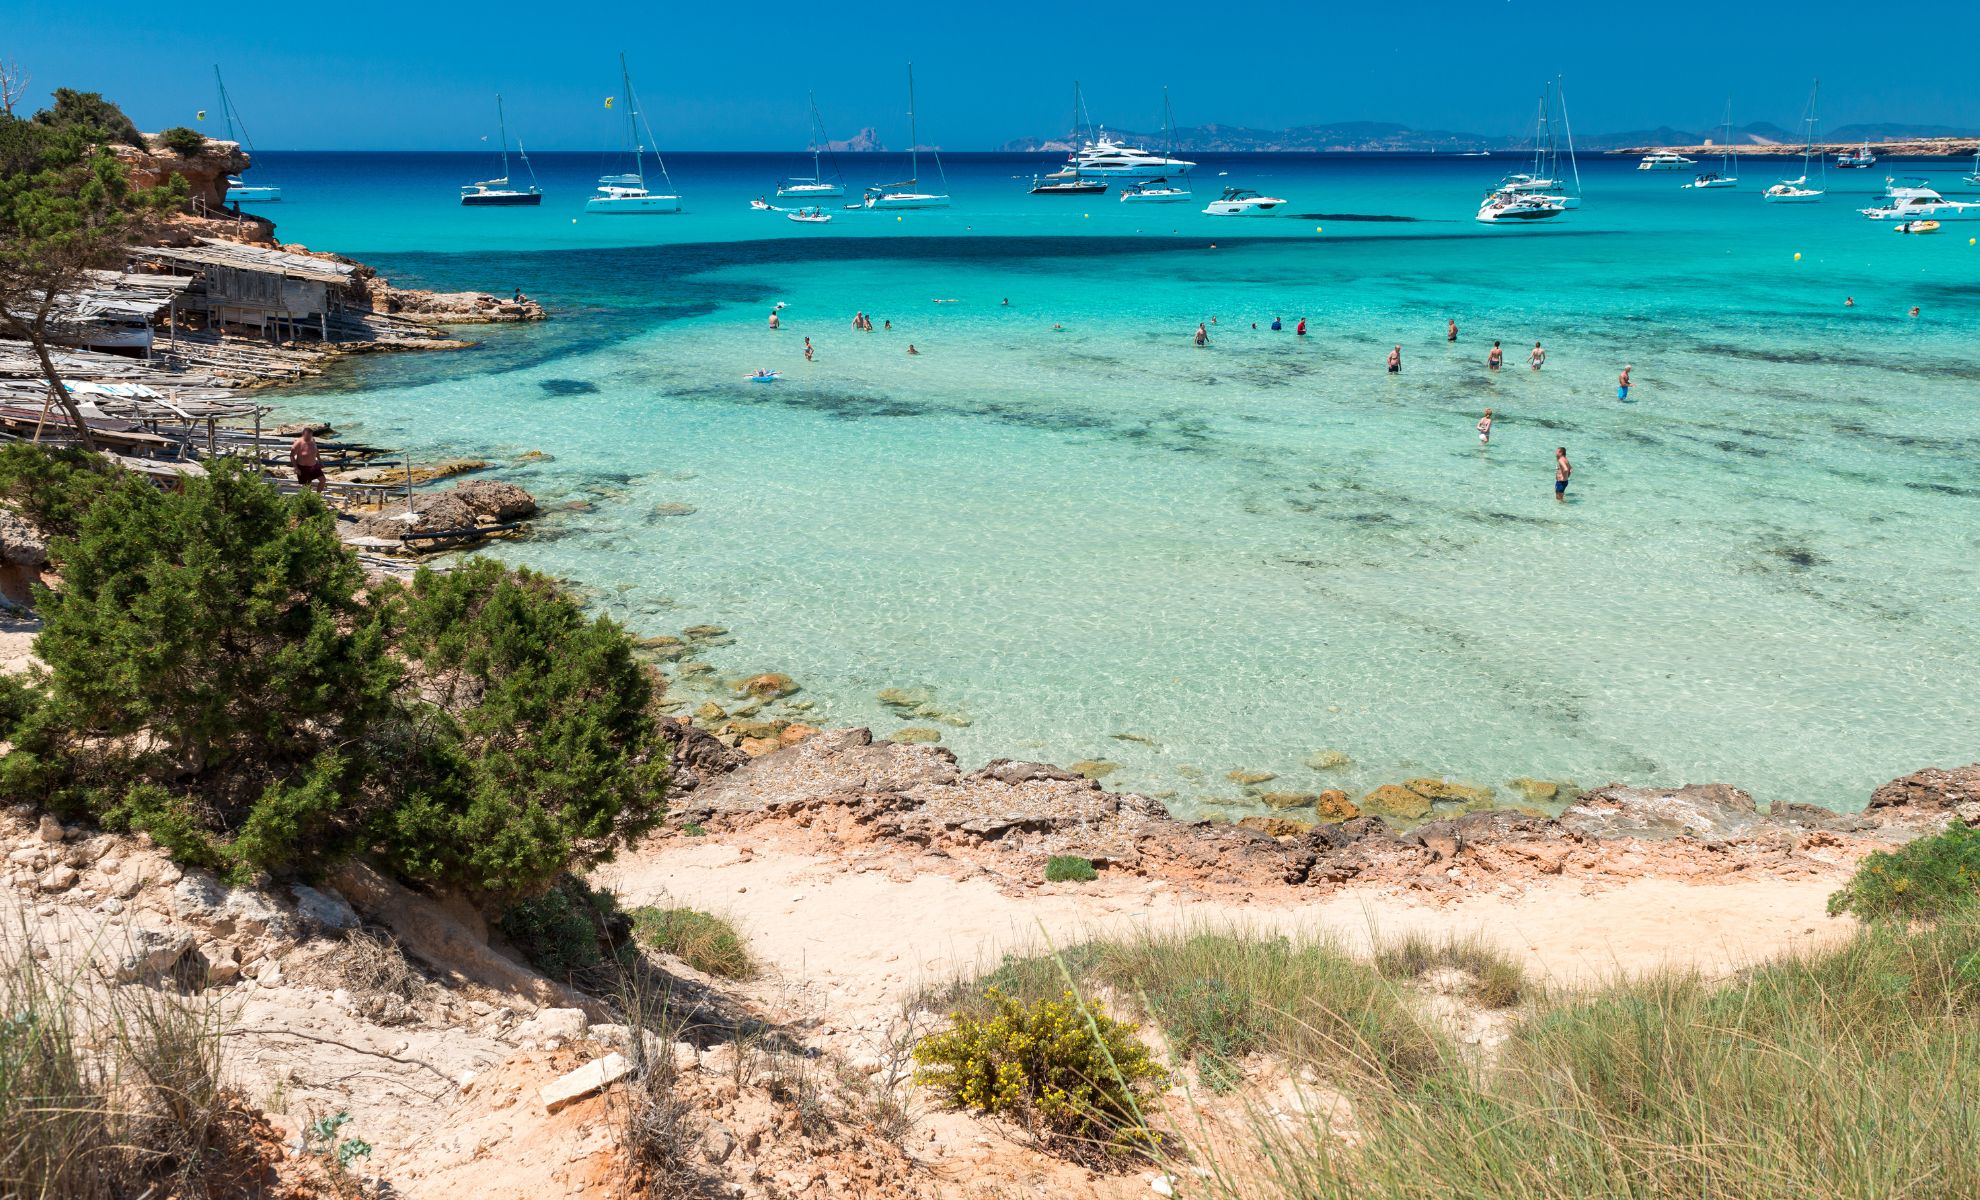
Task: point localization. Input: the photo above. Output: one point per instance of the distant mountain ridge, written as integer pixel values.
(1390, 137)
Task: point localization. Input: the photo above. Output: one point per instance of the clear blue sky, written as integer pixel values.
(731, 75)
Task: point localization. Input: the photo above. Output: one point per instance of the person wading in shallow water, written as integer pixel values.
(1622, 382)
(1538, 358)
(1395, 360)
(1202, 334)
(1562, 469)
(1450, 335)
(1485, 428)
(1496, 357)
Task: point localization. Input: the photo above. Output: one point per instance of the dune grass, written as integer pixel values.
(702, 940)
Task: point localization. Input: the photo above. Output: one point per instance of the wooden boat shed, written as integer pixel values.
(275, 294)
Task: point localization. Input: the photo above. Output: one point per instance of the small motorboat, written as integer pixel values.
(1858, 158)
(1242, 202)
(1712, 179)
(764, 377)
(810, 216)
(760, 204)
(1918, 227)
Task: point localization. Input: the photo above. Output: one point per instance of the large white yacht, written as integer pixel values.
(1106, 156)
(1665, 160)
(1923, 204)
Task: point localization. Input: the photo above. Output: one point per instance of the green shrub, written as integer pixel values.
(564, 932)
(188, 143)
(1060, 1069)
(701, 940)
(1062, 867)
(541, 752)
(52, 488)
(90, 115)
(1919, 880)
(221, 622)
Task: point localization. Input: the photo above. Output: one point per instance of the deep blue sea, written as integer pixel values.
(1088, 538)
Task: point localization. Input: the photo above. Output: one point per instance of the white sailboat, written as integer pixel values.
(238, 192)
(499, 193)
(817, 187)
(1973, 180)
(1538, 195)
(908, 193)
(1160, 189)
(627, 194)
(1068, 181)
(1727, 176)
(1798, 191)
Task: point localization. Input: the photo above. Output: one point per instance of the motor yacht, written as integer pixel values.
(1506, 206)
(1712, 179)
(1665, 160)
(1105, 156)
(1242, 202)
(1923, 204)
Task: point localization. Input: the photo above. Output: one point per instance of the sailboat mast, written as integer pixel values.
(817, 135)
(226, 112)
(914, 139)
(502, 125)
(1574, 164)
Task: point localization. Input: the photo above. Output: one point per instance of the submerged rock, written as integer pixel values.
(767, 686)
(1250, 778)
(1327, 760)
(916, 735)
(1094, 768)
(1288, 799)
(1535, 790)
(1334, 805)
(1394, 800)
(1441, 791)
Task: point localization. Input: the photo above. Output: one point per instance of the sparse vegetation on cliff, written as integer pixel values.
(181, 140)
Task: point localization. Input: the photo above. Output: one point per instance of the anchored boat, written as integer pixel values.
(238, 192)
(627, 194)
(1798, 190)
(817, 187)
(499, 193)
(907, 193)
(1242, 202)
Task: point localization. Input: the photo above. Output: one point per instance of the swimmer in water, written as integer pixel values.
(912, 350)
(887, 324)
(774, 322)
(1276, 326)
(1300, 329)
(1562, 469)
(1914, 310)
(1450, 335)
(1496, 357)
(1849, 302)
(1538, 358)
(1485, 428)
(1622, 382)
(807, 349)
(1202, 335)
(1395, 360)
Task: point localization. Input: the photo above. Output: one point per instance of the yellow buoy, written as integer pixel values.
(1797, 256)
(1086, 216)
(897, 218)
(1319, 229)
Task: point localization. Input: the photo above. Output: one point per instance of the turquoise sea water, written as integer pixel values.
(1242, 554)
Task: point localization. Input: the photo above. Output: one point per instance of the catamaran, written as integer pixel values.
(1727, 175)
(817, 187)
(1160, 189)
(490, 193)
(1068, 181)
(1506, 206)
(1543, 182)
(1797, 191)
(627, 194)
(907, 193)
(238, 192)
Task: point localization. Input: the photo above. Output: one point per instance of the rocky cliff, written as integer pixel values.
(205, 173)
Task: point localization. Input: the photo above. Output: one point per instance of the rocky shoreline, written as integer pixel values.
(841, 790)
(1908, 148)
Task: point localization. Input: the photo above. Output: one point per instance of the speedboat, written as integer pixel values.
(1712, 179)
(1155, 191)
(1242, 202)
(1665, 160)
(1792, 191)
(1859, 157)
(1506, 206)
(1068, 182)
(241, 193)
(811, 216)
(1923, 203)
(1917, 227)
(1107, 157)
(760, 204)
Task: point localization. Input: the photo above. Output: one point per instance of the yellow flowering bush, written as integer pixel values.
(1041, 1066)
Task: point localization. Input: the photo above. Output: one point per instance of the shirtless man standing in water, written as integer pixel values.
(1562, 469)
(1496, 357)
